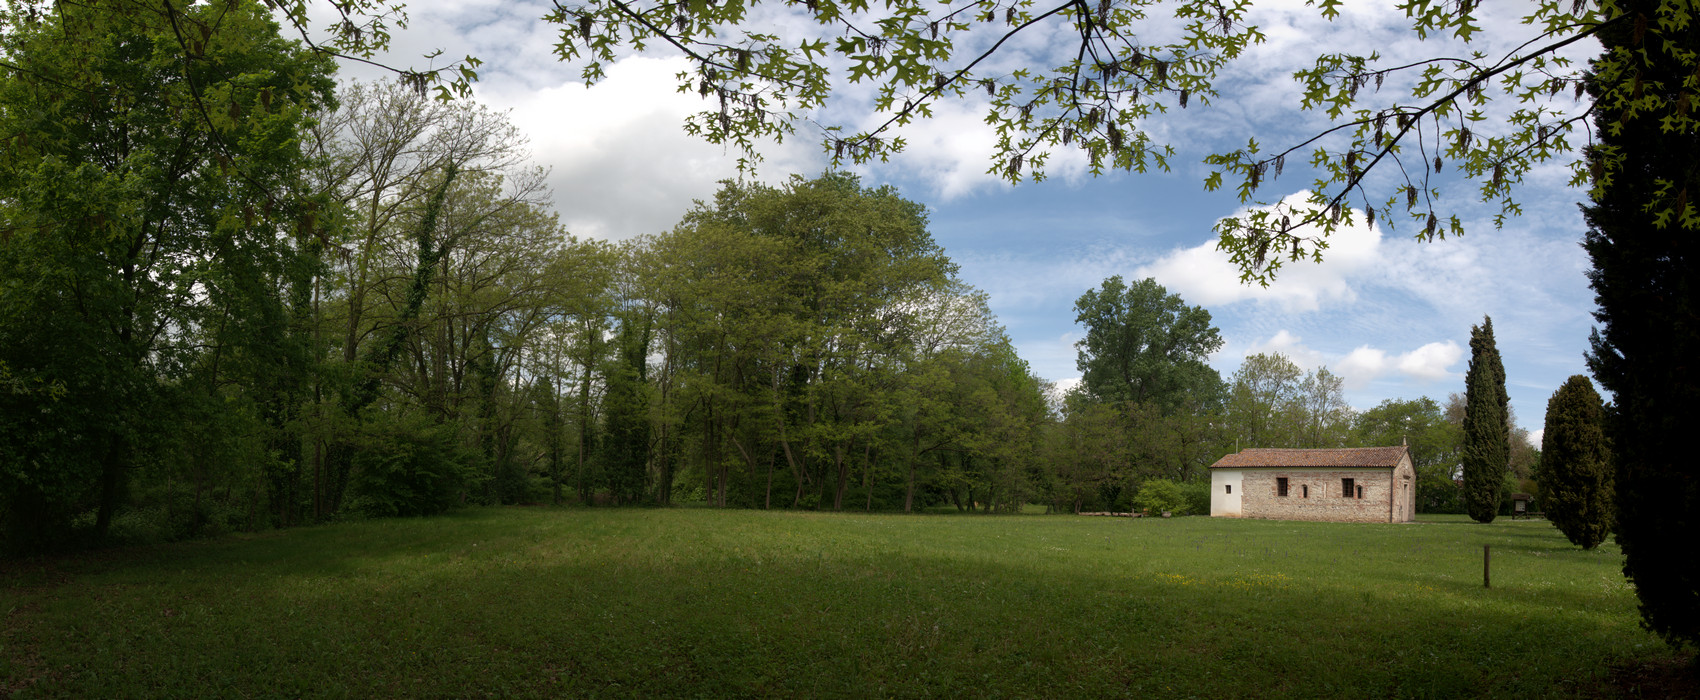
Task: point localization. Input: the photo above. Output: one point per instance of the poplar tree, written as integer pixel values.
(1575, 478)
(1487, 437)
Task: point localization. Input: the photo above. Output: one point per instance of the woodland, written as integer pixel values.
(236, 295)
(370, 310)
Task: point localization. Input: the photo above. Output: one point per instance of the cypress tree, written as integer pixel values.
(1644, 278)
(1575, 477)
(1487, 432)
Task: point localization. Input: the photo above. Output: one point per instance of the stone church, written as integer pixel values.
(1353, 485)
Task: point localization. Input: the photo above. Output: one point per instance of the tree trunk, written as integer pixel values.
(843, 476)
(909, 493)
(767, 504)
(868, 476)
(664, 467)
(791, 461)
(111, 478)
(909, 490)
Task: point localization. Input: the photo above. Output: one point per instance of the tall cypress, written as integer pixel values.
(1487, 431)
(1644, 278)
(1575, 477)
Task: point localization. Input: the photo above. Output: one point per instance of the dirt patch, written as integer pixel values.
(1674, 676)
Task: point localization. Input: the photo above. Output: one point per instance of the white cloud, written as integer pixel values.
(1292, 346)
(949, 152)
(1535, 437)
(1428, 363)
(622, 162)
(1204, 274)
(1365, 363)
(1431, 361)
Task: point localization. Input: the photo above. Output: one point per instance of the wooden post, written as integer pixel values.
(1487, 560)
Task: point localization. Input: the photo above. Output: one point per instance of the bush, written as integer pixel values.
(1160, 495)
(1197, 495)
(409, 467)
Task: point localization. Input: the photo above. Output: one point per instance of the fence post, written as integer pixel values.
(1487, 561)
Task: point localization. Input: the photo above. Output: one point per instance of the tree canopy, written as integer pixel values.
(1401, 133)
(157, 230)
(1144, 344)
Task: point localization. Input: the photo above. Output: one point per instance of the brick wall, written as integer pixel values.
(1258, 499)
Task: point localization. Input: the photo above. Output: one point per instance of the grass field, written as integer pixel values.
(696, 602)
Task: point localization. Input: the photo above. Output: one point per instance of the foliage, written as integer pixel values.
(1576, 470)
(1159, 496)
(1263, 401)
(1122, 65)
(813, 338)
(152, 226)
(1145, 345)
(626, 407)
(1197, 494)
(1273, 403)
(1645, 261)
(1434, 443)
(1487, 439)
(410, 466)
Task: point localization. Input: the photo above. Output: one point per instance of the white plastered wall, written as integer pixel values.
(1225, 493)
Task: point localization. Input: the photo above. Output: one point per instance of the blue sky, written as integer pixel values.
(1391, 315)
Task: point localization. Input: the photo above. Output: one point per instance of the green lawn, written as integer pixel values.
(699, 602)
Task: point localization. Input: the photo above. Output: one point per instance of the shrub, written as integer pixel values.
(409, 467)
(1197, 495)
(1159, 495)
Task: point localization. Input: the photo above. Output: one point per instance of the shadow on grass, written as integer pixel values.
(604, 603)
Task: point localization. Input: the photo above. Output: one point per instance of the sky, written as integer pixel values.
(1391, 315)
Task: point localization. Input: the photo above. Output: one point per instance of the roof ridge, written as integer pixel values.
(1322, 449)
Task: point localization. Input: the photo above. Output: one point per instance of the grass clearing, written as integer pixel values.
(548, 602)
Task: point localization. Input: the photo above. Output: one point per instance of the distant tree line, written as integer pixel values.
(1149, 410)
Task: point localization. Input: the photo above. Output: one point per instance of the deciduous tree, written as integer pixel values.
(150, 203)
(1144, 344)
(1434, 443)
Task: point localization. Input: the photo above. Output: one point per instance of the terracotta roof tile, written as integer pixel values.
(1348, 457)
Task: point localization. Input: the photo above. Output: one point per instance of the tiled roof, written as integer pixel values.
(1349, 457)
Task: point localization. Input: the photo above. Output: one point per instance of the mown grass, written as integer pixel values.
(697, 602)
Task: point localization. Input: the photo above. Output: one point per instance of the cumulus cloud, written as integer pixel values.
(1427, 363)
(1289, 345)
(622, 162)
(949, 152)
(1365, 363)
(1203, 274)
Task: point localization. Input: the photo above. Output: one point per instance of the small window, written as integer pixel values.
(1304, 490)
(1281, 486)
(1346, 488)
(1360, 492)
(1229, 487)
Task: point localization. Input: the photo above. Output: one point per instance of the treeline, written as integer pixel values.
(248, 299)
(1149, 409)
